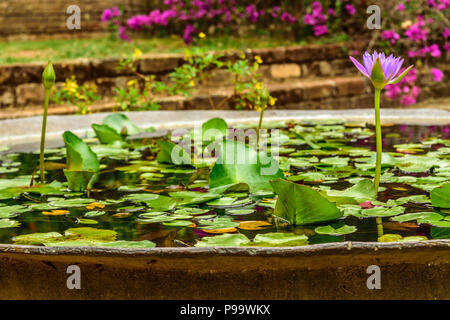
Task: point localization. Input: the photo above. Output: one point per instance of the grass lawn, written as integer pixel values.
(54, 50)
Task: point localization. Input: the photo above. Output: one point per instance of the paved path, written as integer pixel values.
(27, 130)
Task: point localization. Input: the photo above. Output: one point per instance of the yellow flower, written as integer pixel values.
(242, 55)
(132, 83)
(95, 205)
(137, 53)
(192, 83)
(258, 59)
(201, 35)
(71, 85)
(55, 212)
(258, 86)
(272, 101)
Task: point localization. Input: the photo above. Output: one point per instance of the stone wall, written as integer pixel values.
(28, 18)
(300, 77)
(25, 19)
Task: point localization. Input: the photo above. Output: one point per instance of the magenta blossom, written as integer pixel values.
(350, 9)
(390, 35)
(106, 15)
(437, 74)
(381, 70)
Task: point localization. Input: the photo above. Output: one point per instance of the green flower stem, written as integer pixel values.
(44, 127)
(261, 115)
(379, 143)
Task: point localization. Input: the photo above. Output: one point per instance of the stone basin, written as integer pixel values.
(408, 270)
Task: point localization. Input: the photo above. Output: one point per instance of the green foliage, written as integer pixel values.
(249, 91)
(79, 96)
(82, 162)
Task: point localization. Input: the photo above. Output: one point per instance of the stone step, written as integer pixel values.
(20, 84)
(331, 93)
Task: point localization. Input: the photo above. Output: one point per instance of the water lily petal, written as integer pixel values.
(368, 61)
(360, 67)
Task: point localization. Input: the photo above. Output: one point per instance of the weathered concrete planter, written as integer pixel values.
(409, 270)
(416, 270)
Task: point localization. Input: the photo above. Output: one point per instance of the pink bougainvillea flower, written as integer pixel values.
(350, 9)
(123, 34)
(434, 50)
(446, 33)
(437, 74)
(390, 35)
(401, 7)
(447, 46)
(381, 70)
(106, 15)
(115, 12)
(416, 32)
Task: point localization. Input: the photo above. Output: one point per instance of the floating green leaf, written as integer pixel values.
(423, 216)
(330, 230)
(38, 238)
(280, 239)
(362, 191)
(7, 223)
(224, 240)
(88, 233)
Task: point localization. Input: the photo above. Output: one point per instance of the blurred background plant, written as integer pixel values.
(80, 96)
(419, 28)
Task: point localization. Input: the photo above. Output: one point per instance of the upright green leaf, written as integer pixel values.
(302, 205)
(238, 163)
(80, 156)
(121, 124)
(440, 197)
(214, 129)
(172, 153)
(106, 134)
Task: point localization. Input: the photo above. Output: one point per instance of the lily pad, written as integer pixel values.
(362, 191)
(88, 233)
(423, 216)
(330, 230)
(279, 239)
(224, 240)
(37, 238)
(7, 223)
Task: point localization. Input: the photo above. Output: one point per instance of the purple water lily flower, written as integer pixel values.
(381, 70)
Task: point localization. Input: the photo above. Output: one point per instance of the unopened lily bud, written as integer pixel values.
(48, 76)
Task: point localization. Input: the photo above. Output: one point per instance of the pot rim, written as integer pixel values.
(174, 252)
